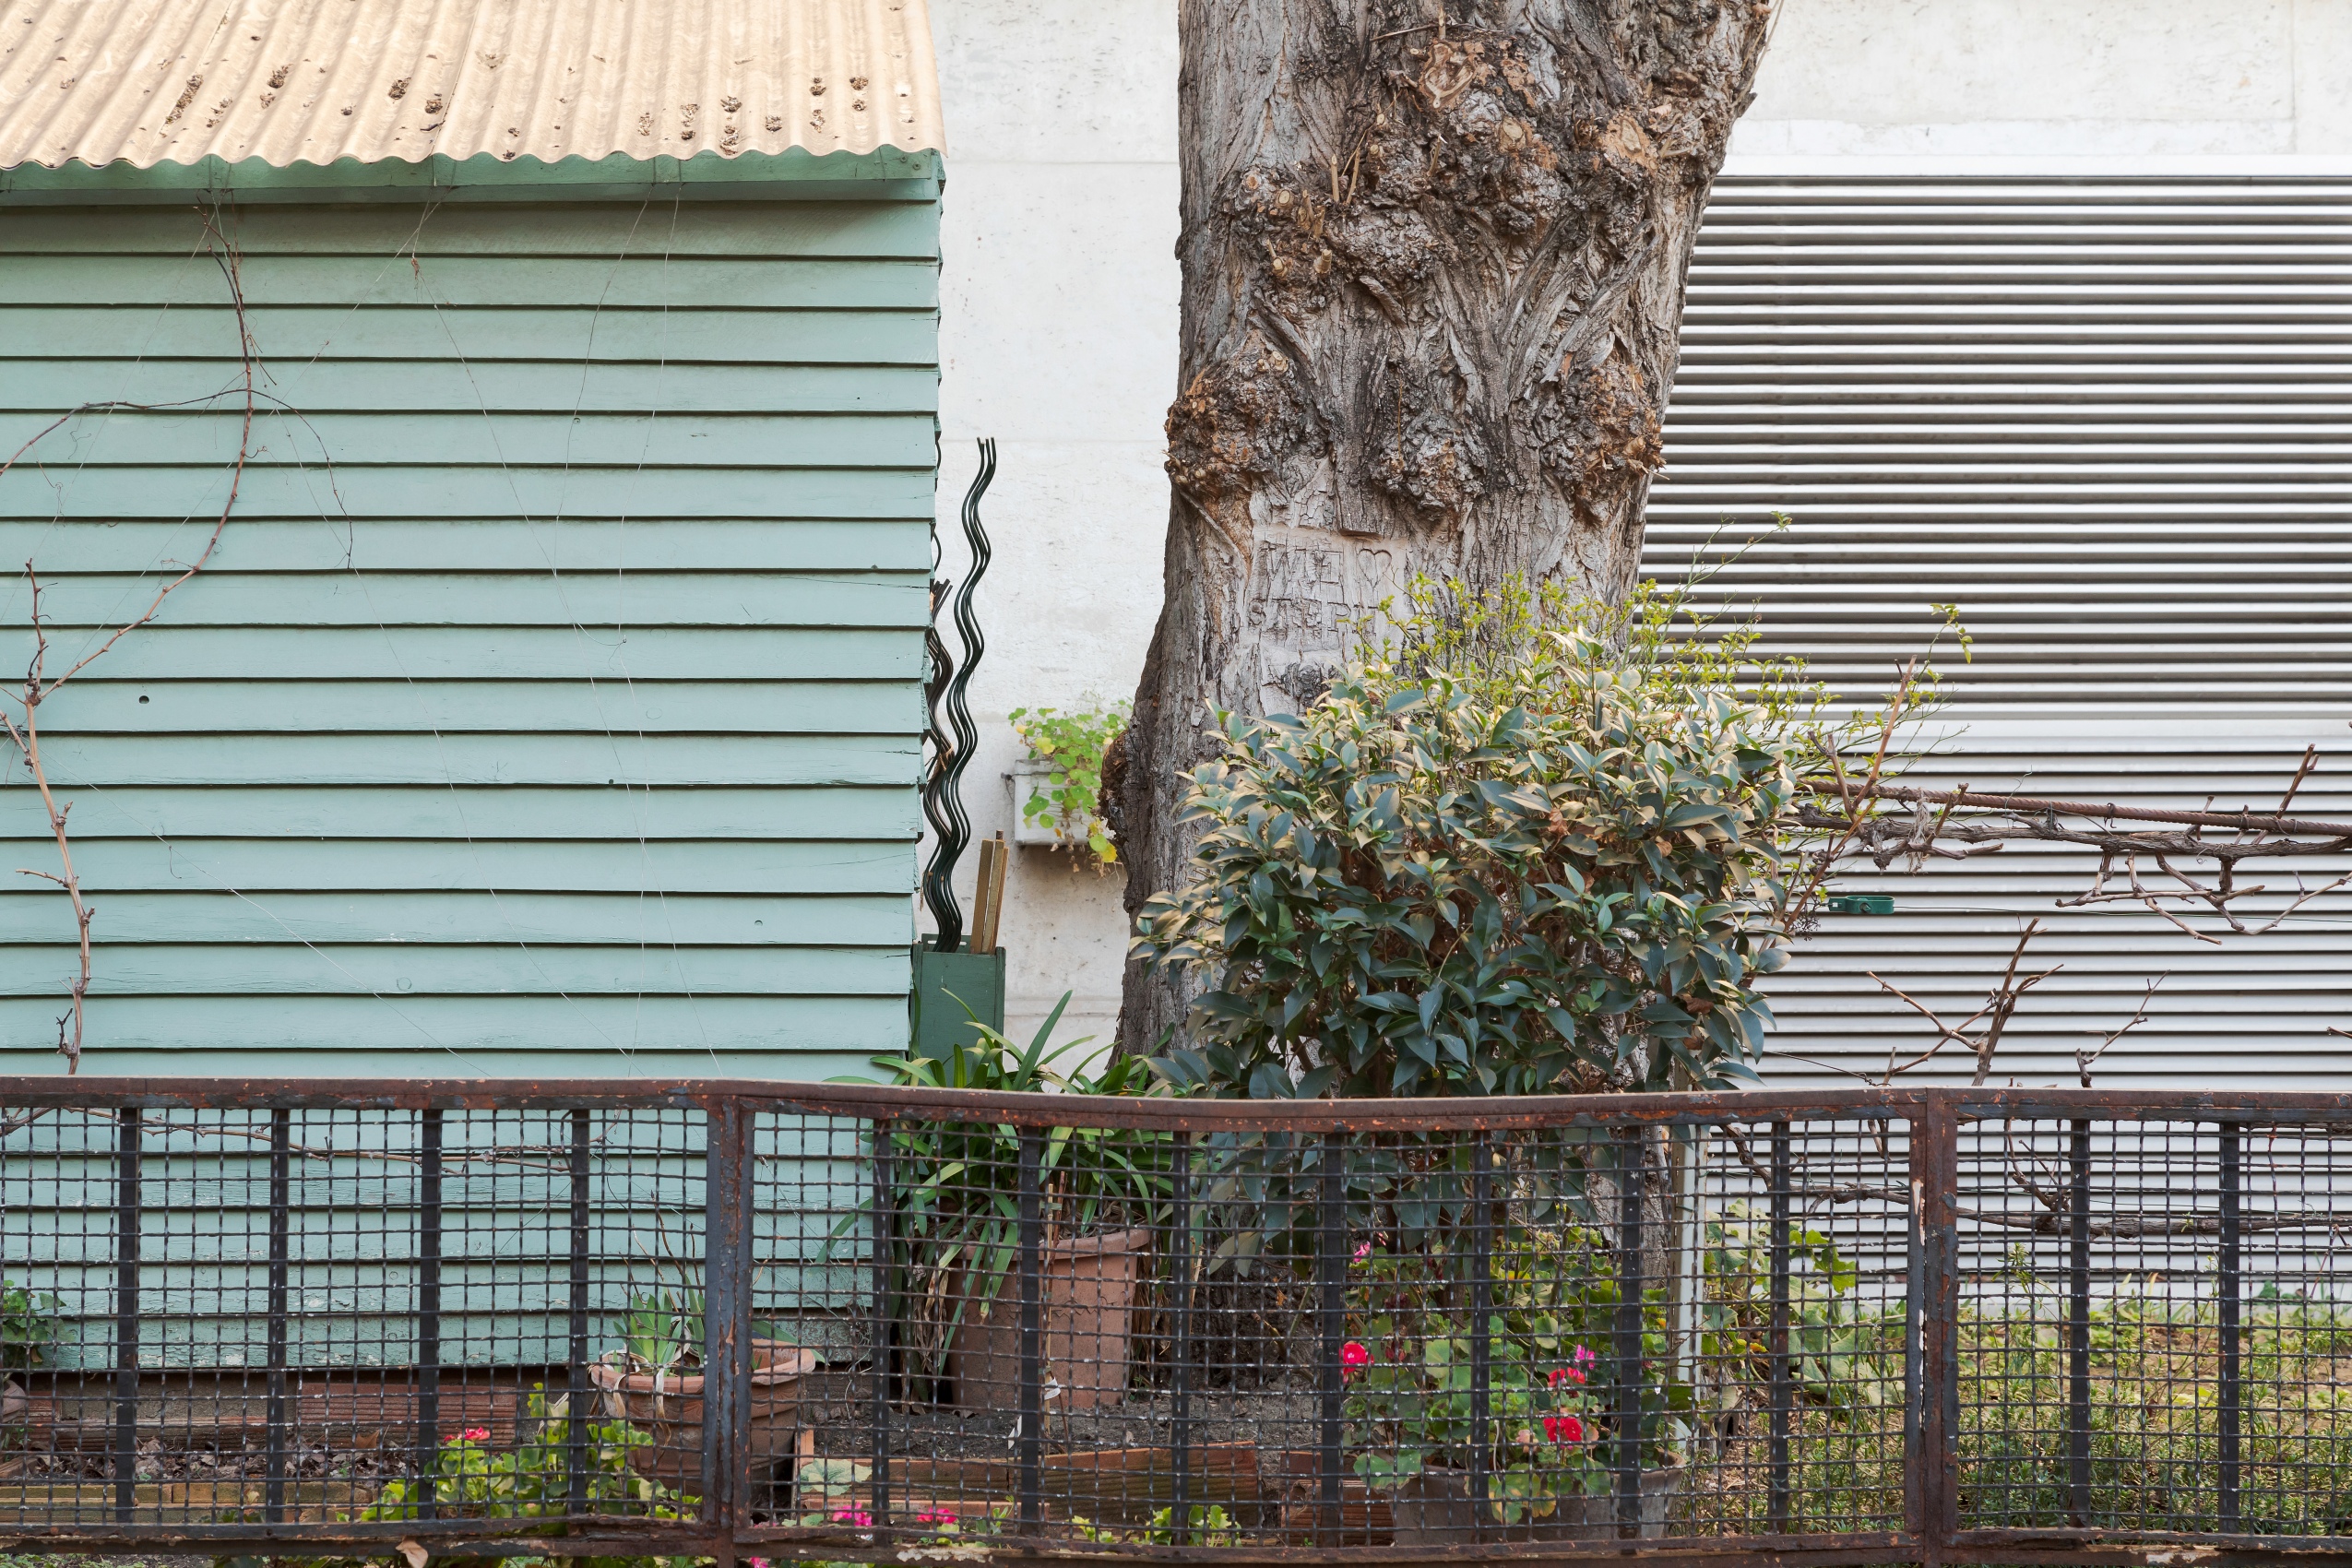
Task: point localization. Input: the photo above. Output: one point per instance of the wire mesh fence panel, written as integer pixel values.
(2150, 1327)
(1797, 1339)
(815, 1322)
(2289, 1328)
(380, 1320)
(1000, 1316)
(634, 1440)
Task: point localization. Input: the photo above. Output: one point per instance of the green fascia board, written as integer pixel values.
(884, 174)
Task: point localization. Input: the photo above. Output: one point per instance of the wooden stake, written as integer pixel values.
(988, 903)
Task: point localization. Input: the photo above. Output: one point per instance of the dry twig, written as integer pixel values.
(2087, 1058)
(2000, 1006)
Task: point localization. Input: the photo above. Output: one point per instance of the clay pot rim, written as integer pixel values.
(798, 1365)
(1125, 1241)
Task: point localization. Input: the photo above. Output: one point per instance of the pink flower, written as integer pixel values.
(755, 1562)
(1563, 1428)
(1561, 1376)
(936, 1516)
(1584, 1356)
(477, 1434)
(1353, 1357)
(1364, 1251)
(857, 1517)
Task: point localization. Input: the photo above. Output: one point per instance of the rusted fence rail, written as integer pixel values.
(865, 1324)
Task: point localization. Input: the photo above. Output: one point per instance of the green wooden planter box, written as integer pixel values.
(945, 985)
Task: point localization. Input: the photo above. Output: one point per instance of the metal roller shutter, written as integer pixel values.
(2112, 418)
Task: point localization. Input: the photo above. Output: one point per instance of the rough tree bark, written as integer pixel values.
(1432, 281)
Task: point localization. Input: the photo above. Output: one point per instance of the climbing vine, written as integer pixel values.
(40, 685)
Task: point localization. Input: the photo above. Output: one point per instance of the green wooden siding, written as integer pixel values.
(553, 704)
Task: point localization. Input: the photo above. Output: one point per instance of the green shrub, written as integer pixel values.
(1511, 854)
(1524, 844)
(1837, 1348)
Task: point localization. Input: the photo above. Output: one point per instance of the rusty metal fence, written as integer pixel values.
(848, 1323)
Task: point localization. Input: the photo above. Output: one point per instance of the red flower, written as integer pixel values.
(1353, 1357)
(1563, 1376)
(1563, 1428)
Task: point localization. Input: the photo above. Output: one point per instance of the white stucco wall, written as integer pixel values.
(1061, 288)
(2043, 78)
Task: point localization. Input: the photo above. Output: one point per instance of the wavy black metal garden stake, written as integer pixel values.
(951, 748)
(937, 892)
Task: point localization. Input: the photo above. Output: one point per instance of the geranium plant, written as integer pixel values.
(470, 1479)
(1552, 1403)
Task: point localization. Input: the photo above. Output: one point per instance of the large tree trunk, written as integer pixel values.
(1433, 271)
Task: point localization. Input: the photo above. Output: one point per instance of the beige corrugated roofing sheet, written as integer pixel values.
(287, 81)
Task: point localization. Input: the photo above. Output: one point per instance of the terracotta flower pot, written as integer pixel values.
(1087, 1296)
(669, 1407)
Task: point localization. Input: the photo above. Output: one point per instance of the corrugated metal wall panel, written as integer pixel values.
(2110, 419)
(554, 702)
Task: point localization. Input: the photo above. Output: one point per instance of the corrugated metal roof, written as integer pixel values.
(286, 81)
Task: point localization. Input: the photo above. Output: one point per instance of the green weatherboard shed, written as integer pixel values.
(551, 704)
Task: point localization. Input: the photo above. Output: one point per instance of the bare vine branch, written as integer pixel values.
(1998, 1009)
(2036, 805)
(1970, 823)
(2088, 1057)
(1854, 795)
(24, 729)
